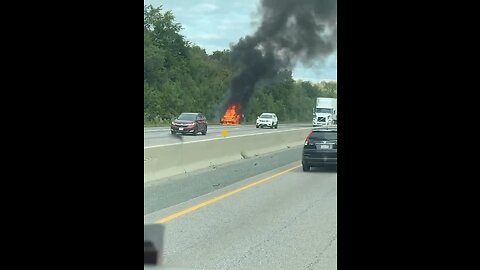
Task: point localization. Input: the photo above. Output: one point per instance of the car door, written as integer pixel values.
(204, 121)
(198, 120)
(201, 121)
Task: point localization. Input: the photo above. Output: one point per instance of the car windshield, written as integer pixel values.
(187, 116)
(231, 188)
(323, 135)
(324, 110)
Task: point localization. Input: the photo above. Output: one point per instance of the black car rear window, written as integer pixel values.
(323, 135)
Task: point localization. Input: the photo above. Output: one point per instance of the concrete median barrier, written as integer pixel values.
(168, 160)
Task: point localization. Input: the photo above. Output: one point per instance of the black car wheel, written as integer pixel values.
(195, 131)
(174, 133)
(204, 132)
(256, 126)
(276, 125)
(305, 167)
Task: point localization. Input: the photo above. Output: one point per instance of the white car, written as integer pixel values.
(267, 120)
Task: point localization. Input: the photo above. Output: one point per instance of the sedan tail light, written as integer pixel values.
(307, 142)
(307, 139)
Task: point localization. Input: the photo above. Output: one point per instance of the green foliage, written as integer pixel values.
(180, 77)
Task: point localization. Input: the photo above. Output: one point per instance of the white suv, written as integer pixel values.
(267, 120)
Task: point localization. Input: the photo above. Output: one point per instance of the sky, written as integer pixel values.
(217, 24)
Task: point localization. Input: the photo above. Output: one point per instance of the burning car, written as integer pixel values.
(231, 116)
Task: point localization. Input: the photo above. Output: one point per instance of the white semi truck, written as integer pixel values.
(325, 112)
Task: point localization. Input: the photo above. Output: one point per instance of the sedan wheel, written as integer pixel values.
(305, 167)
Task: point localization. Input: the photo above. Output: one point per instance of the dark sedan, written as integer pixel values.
(189, 123)
(320, 148)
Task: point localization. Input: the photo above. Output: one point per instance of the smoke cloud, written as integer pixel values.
(290, 31)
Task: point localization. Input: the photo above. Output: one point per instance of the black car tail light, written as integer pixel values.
(307, 139)
(308, 136)
(308, 142)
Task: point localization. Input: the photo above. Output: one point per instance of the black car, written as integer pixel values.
(320, 148)
(191, 123)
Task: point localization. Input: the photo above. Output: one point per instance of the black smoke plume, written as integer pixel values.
(290, 31)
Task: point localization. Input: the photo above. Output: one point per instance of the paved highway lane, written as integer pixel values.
(162, 136)
(281, 219)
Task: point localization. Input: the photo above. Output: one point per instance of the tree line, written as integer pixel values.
(180, 76)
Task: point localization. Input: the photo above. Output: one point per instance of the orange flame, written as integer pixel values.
(231, 117)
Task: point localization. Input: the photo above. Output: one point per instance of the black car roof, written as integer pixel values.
(324, 128)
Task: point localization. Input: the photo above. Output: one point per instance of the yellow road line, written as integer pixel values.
(214, 199)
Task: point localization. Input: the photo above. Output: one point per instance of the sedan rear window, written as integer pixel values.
(266, 116)
(188, 116)
(323, 135)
